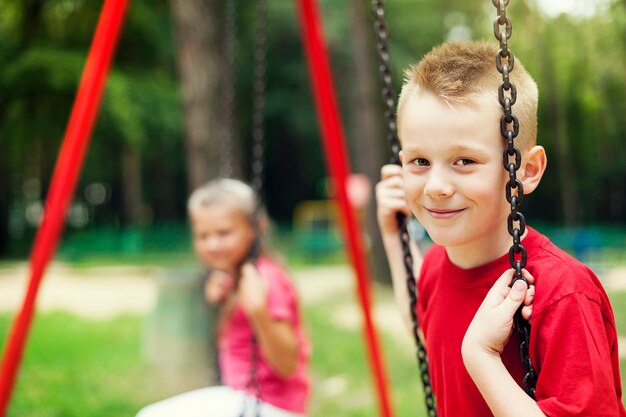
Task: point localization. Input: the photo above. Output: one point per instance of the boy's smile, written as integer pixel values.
(443, 213)
(453, 176)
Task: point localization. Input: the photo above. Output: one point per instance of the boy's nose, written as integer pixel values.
(438, 185)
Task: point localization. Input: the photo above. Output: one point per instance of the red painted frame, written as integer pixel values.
(76, 142)
(66, 172)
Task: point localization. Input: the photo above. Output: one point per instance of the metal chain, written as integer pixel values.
(388, 96)
(257, 174)
(253, 383)
(512, 159)
(388, 92)
(258, 102)
(228, 130)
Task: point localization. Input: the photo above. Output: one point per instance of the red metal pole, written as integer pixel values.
(338, 164)
(68, 167)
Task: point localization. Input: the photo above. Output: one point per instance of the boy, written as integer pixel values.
(453, 181)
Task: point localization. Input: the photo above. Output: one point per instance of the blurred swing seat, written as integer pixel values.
(315, 228)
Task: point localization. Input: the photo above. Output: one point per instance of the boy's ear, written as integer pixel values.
(533, 168)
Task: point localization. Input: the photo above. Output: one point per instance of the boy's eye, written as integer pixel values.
(422, 162)
(465, 161)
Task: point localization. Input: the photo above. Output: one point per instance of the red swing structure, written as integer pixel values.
(76, 142)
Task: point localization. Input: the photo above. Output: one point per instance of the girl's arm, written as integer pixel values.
(484, 342)
(277, 339)
(390, 201)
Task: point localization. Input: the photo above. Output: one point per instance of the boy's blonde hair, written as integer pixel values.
(226, 191)
(465, 72)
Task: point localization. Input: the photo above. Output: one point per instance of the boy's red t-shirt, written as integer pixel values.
(235, 347)
(573, 343)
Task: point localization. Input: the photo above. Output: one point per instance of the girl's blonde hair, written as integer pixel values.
(226, 191)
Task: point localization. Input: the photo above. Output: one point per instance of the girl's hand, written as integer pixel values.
(492, 325)
(218, 287)
(252, 290)
(390, 198)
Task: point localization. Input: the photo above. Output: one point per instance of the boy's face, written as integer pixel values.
(453, 174)
(221, 236)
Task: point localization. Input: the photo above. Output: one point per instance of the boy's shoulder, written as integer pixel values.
(546, 257)
(559, 275)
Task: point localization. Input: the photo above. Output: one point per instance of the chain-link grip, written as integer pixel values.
(227, 132)
(514, 190)
(388, 97)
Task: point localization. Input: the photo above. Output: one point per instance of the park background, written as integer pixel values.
(127, 226)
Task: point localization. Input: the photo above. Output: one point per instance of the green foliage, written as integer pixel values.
(579, 70)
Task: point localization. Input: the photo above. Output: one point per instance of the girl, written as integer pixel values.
(263, 352)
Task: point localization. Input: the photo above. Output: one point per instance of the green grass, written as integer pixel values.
(342, 358)
(75, 367)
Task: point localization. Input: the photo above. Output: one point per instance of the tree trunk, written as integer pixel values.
(198, 56)
(370, 145)
(131, 186)
(198, 53)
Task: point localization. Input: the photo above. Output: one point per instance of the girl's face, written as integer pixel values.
(222, 236)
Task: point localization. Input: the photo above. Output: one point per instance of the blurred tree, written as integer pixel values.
(367, 114)
(42, 57)
(198, 37)
(139, 153)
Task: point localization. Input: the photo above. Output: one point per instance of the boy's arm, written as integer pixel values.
(390, 201)
(276, 338)
(503, 396)
(484, 342)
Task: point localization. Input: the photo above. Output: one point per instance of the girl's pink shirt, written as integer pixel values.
(236, 347)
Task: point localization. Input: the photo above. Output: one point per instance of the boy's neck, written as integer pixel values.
(480, 253)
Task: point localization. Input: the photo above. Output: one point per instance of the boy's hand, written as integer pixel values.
(252, 290)
(390, 198)
(218, 287)
(492, 325)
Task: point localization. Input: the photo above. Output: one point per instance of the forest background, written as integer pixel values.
(161, 120)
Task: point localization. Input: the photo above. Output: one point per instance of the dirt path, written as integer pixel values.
(96, 293)
(103, 292)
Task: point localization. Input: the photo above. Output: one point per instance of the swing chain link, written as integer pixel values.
(420, 349)
(252, 384)
(228, 130)
(388, 92)
(258, 165)
(257, 176)
(258, 102)
(509, 128)
(388, 96)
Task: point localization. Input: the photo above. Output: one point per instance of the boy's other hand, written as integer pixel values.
(218, 286)
(252, 290)
(390, 199)
(492, 325)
